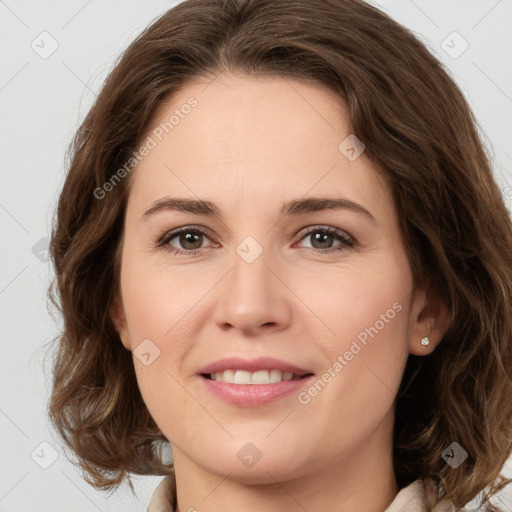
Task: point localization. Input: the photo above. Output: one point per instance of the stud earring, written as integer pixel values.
(425, 341)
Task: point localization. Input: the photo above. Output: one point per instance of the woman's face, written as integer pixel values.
(265, 267)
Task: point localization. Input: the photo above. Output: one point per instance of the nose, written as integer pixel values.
(253, 297)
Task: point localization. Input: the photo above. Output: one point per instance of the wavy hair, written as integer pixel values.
(423, 138)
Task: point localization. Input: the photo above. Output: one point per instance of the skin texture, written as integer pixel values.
(248, 146)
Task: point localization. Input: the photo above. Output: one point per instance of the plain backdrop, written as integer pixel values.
(54, 56)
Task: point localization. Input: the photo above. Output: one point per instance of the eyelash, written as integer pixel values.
(346, 241)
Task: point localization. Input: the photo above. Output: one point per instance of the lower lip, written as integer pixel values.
(253, 395)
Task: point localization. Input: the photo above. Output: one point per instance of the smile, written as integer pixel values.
(259, 377)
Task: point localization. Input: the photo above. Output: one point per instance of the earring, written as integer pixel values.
(425, 341)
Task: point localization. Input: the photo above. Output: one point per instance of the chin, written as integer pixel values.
(270, 467)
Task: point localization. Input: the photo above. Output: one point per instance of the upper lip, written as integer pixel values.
(252, 365)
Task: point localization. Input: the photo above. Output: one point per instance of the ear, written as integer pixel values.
(118, 318)
(429, 318)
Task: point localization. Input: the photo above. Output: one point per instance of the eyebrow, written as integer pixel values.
(293, 207)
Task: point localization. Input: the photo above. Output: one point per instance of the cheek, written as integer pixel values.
(159, 300)
(161, 314)
(367, 303)
(365, 361)
(365, 347)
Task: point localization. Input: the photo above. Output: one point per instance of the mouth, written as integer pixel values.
(253, 382)
(260, 377)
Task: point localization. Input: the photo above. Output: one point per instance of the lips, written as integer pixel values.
(253, 382)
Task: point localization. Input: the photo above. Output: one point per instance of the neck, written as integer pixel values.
(362, 481)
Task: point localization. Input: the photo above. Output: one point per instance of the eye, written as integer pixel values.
(189, 238)
(322, 241)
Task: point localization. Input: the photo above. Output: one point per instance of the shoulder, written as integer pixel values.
(421, 496)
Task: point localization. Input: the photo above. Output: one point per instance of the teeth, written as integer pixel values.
(276, 376)
(259, 377)
(242, 377)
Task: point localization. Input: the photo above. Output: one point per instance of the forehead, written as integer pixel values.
(258, 139)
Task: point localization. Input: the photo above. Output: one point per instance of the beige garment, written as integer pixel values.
(420, 496)
(416, 497)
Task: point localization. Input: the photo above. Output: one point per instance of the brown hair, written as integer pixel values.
(419, 131)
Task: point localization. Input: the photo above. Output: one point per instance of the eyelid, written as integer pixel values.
(347, 241)
(323, 227)
(169, 235)
(163, 240)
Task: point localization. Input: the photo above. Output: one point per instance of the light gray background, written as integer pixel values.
(42, 101)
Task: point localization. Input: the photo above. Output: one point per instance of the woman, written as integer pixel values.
(338, 333)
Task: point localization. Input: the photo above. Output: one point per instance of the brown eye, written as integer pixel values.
(189, 240)
(184, 241)
(322, 239)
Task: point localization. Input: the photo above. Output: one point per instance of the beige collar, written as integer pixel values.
(419, 496)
